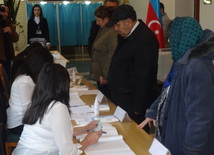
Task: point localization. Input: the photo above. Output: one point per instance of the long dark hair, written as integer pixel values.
(20, 59)
(32, 11)
(53, 85)
(35, 60)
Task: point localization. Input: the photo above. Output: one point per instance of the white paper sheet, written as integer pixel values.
(158, 149)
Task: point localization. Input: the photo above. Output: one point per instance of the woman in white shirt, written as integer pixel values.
(48, 129)
(23, 87)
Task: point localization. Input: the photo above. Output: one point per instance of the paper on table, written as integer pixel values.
(102, 107)
(88, 92)
(113, 146)
(81, 109)
(107, 119)
(61, 62)
(158, 148)
(110, 132)
(70, 70)
(56, 55)
(79, 88)
(82, 118)
(75, 100)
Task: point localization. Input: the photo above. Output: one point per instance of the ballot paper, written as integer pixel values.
(88, 92)
(88, 117)
(102, 107)
(158, 148)
(79, 87)
(113, 145)
(110, 133)
(81, 109)
(75, 100)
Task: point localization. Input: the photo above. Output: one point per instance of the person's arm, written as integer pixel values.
(85, 129)
(13, 35)
(30, 30)
(46, 30)
(111, 46)
(26, 87)
(62, 130)
(199, 99)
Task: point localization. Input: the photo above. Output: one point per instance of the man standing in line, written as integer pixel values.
(95, 28)
(165, 21)
(133, 71)
(8, 36)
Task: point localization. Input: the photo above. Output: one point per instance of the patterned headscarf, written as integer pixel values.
(185, 33)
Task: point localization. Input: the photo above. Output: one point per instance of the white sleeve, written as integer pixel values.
(62, 130)
(26, 87)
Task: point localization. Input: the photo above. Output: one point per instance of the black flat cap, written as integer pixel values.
(122, 12)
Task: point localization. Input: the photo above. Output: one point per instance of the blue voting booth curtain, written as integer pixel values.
(49, 12)
(70, 24)
(87, 18)
(74, 22)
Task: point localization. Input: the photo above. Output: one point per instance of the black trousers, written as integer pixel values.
(105, 90)
(17, 130)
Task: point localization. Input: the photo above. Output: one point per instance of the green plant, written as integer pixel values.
(13, 6)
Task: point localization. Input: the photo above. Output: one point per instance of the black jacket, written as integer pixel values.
(133, 72)
(32, 27)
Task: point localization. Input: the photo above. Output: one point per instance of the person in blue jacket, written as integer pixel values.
(184, 112)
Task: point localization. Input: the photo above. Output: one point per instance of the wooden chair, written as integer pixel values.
(5, 82)
(11, 142)
(12, 139)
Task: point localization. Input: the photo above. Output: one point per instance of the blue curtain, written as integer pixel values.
(87, 18)
(69, 19)
(49, 12)
(74, 21)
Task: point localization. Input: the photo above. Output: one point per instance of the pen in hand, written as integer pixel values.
(104, 132)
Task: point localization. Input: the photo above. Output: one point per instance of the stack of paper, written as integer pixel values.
(109, 143)
(102, 107)
(79, 87)
(75, 100)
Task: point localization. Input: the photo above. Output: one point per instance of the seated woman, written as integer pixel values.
(47, 123)
(21, 57)
(23, 86)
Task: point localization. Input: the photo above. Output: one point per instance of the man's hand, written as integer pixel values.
(7, 29)
(147, 121)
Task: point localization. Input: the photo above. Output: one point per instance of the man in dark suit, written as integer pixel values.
(132, 75)
(95, 28)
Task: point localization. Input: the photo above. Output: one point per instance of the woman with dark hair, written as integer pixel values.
(38, 25)
(21, 57)
(23, 87)
(103, 49)
(47, 122)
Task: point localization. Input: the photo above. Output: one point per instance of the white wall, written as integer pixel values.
(173, 8)
(206, 15)
(140, 7)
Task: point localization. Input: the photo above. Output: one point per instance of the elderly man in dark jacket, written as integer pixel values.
(133, 70)
(184, 112)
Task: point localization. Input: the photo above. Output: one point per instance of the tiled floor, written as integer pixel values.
(78, 57)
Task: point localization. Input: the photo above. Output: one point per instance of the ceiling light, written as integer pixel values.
(87, 2)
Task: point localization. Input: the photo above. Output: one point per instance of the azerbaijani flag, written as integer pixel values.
(154, 21)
